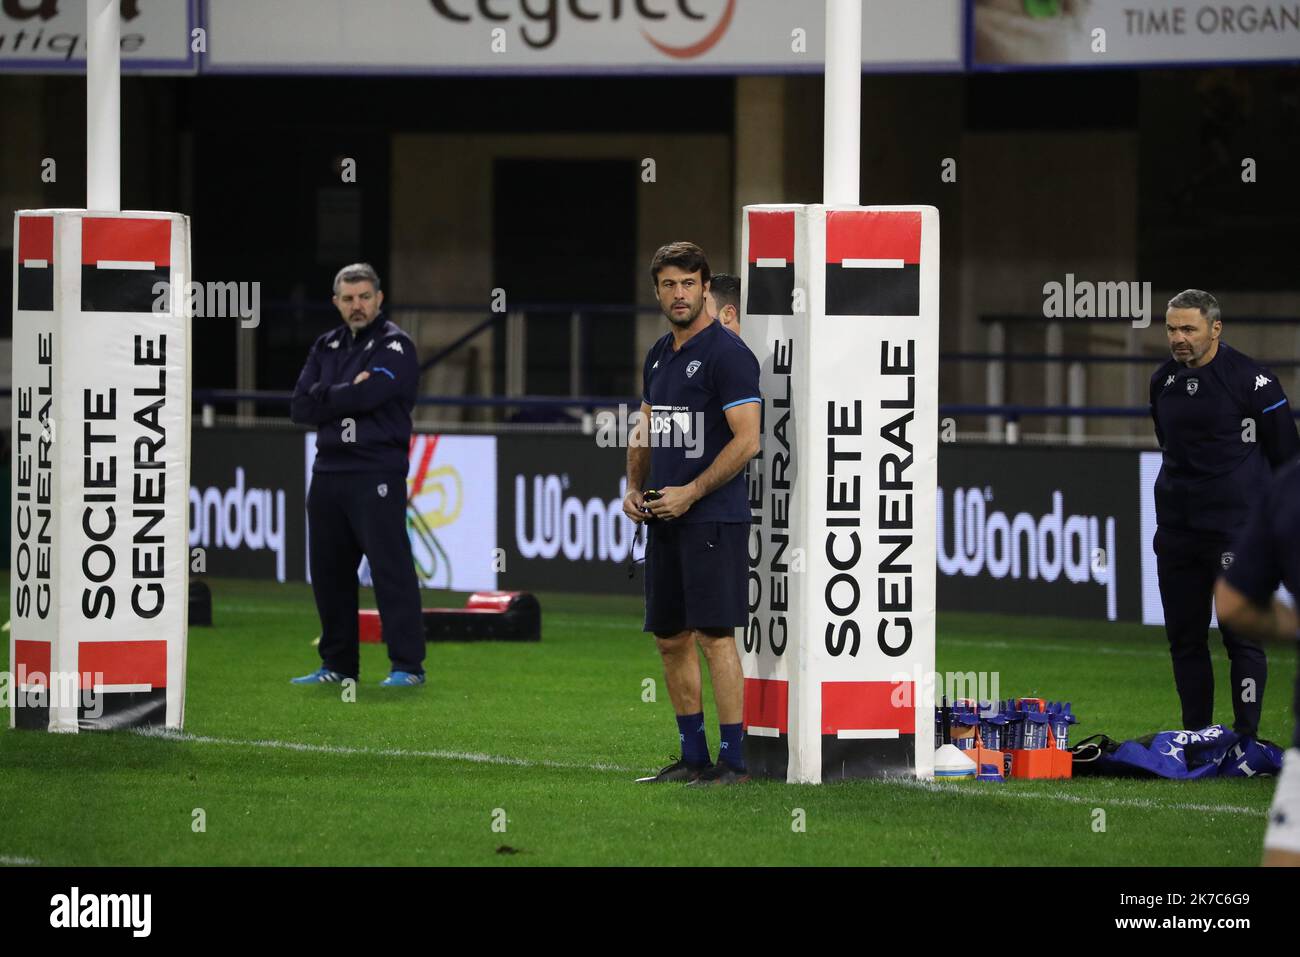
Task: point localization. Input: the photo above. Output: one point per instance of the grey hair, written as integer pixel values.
(1197, 299)
(357, 272)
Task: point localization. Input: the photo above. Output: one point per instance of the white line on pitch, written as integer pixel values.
(8, 861)
(969, 789)
(771, 263)
(972, 789)
(475, 757)
(122, 264)
(872, 263)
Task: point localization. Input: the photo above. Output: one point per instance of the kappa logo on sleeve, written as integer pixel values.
(1261, 381)
(333, 344)
(1170, 380)
(395, 346)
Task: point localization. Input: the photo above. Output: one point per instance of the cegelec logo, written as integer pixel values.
(548, 20)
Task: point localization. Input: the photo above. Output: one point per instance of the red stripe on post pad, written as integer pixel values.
(35, 238)
(852, 234)
(32, 658)
(868, 706)
(771, 235)
(123, 663)
(126, 240)
(767, 704)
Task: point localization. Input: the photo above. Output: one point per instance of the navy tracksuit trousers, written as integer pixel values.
(355, 513)
(1187, 566)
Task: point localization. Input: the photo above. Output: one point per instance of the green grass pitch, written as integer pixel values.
(547, 739)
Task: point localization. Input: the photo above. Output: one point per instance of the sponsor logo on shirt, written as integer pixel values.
(664, 417)
(671, 426)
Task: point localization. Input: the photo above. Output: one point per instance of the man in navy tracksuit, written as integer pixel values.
(1224, 424)
(358, 388)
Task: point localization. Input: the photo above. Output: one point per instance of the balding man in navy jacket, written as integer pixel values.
(358, 388)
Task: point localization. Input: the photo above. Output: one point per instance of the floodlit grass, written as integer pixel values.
(552, 735)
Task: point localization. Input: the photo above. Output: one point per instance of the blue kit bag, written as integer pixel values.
(1212, 752)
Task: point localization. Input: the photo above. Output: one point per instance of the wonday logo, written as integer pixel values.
(239, 518)
(582, 530)
(1079, 547)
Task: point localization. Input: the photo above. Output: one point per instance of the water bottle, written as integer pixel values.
(1014, 726)
(992, 722)
(1035, 723)
(1061, 718)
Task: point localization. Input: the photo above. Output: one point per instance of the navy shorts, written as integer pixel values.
(696, 576)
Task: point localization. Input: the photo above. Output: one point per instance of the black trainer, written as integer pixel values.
(720, 775)
(679, 771)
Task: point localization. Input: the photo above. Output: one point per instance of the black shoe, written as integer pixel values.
(720, 775)
(678, 771)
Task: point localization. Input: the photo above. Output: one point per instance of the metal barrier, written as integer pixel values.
(1070, 388)
(1065, 400)
(1010, 433)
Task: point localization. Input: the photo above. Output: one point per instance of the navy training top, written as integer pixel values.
(689, 391)
(380, 407)
(1215, 463)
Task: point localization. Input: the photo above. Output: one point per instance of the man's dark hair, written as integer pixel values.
(1197, 299)
(725, 289)
(687, 257)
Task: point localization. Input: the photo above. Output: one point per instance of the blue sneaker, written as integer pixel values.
(401, 679)
(318, 677)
